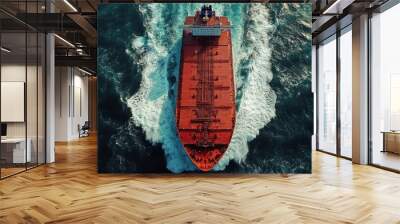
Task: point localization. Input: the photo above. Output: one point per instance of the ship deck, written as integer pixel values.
(206, 99)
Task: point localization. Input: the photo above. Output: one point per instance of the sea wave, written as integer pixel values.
(257, 104)
(153, 106)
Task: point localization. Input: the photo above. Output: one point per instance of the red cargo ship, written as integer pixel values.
(205, 111)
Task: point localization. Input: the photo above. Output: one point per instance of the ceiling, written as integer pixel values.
(75, 23)
(332, 15)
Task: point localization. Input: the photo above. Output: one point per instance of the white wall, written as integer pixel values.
(12, 73)
(16, 73)
(61, 103)
(80, 111)
(71, 102)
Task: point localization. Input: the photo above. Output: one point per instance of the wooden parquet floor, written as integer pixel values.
(71, 191)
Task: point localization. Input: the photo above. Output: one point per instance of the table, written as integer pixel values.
(391, 141)
(13, 150)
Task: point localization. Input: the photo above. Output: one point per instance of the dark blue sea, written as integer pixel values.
(138, 68)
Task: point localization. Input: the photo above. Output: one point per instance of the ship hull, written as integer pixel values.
(205, 111)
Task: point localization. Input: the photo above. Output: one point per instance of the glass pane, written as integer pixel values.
(41, 99)
(314, 90)
(327, 96)
(13, 86)
(385, 89)
(346, 94)
(22, 89)
(31, 100)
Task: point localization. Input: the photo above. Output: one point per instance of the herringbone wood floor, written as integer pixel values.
(71, 191)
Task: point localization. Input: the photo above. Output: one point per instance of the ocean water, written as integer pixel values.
(138, 65)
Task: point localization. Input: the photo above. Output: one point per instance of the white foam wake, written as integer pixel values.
(152, 108)
(257, 105)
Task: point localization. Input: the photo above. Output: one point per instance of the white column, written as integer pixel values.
(50, 94)
(360, 90)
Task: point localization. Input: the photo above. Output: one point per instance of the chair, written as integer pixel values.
(84, 130)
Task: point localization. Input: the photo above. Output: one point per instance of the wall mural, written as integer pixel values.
(204, 88)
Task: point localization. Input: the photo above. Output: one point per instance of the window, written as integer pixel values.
(22, 76)
(385, 89)
(346, 92)
(327, 95)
